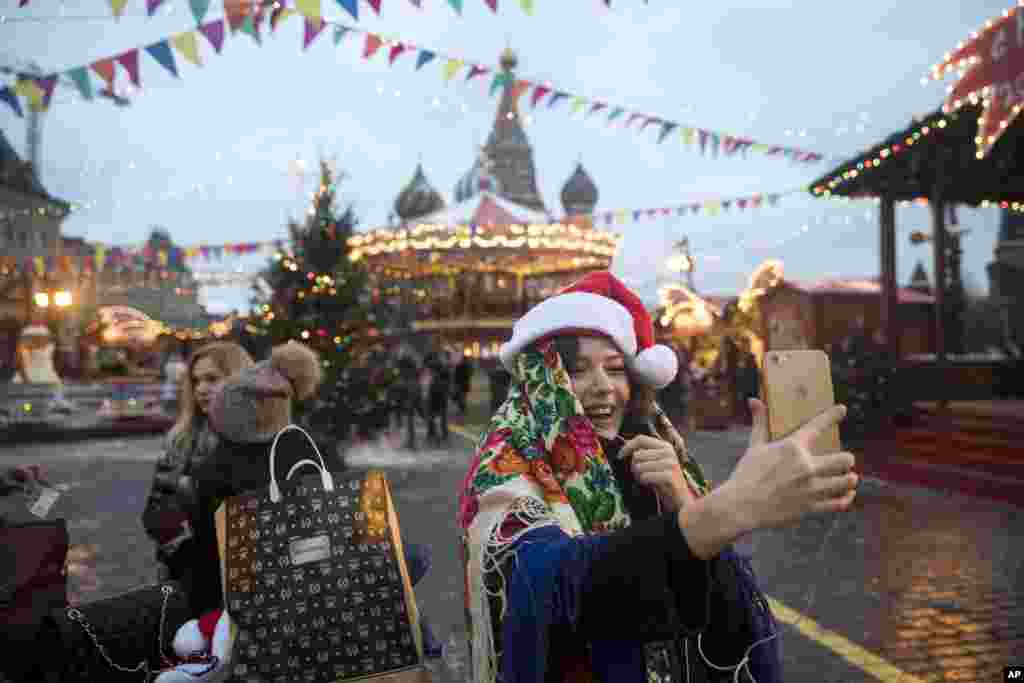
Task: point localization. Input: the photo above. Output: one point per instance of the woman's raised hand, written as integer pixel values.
(779, 482)
(655, 463)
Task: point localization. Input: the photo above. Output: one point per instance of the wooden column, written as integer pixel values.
(938, 206)
(890, 322)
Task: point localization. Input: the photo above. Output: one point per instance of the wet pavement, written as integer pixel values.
(911, 585)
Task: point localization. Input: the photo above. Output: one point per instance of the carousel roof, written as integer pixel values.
(485, 208)
(486, 232)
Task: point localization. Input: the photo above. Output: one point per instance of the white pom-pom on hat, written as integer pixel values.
(599, 303)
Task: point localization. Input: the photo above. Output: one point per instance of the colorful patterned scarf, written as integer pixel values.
(539, 464)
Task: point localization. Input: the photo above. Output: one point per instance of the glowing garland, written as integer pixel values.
(557, 237)
(888, 153)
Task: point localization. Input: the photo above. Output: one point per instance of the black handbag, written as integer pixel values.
(32, 583)
(122, 638)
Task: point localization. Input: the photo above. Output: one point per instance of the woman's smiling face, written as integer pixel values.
(600, 380)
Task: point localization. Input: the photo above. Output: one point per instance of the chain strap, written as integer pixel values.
(76, 616)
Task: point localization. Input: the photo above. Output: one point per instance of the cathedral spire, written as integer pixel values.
(509, 149)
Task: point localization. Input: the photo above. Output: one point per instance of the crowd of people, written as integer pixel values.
(593, 546)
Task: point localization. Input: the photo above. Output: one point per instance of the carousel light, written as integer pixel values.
(42, 299)
(62, 299)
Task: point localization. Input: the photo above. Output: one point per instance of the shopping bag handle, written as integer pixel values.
(325, 476)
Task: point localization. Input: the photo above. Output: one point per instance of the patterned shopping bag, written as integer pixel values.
(316, 580)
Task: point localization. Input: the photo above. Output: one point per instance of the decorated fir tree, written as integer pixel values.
(314, 294)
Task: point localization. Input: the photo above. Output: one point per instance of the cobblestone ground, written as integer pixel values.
(931, 586)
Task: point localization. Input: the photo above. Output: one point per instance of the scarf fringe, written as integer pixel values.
(485, 558)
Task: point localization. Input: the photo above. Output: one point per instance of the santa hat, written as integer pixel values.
(203, 648)
(601, 304)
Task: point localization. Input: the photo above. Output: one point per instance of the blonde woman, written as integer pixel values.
(188, 443)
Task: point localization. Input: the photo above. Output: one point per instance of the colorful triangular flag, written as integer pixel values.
(310, 9)
(130, 61)
(7, 95)
(538, 94)
(456, 5)
(373, 43)
(477, 70)
(31, 92)
(162, 53)
(424, 57)
(518, 88)
(396, 50)
(451, 68)
(527, 6)
(350, 6)
(666, 128)
(188, 46)
(501, 80)
(375, 4)
(199, 9)
(251, 27)
(117, 7)
(80, 77)
(279, 14)
(312, 29)
(616, 113)
(339, 33)
(235, 13)
(493, 4)
(152, 6)
(557, 96)
(214, 32)
(577, 104)
(105, 69)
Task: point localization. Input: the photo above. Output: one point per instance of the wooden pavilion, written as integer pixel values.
(934, 161)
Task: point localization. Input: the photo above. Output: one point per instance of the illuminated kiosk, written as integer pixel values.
(469, 270)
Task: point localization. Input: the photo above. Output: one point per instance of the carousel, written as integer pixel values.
(467, 271)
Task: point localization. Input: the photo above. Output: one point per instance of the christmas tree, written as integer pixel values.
(312, 292)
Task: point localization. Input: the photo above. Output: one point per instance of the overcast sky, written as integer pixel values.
(213, 155)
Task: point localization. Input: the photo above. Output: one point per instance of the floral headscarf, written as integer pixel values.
(540, 463)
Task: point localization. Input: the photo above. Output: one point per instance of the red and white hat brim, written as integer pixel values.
(585, 313)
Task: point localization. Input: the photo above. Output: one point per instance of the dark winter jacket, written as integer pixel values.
(169, 507)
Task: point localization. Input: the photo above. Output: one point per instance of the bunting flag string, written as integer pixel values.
(707, 207)
(718, 143)
(201, 7)
(38, 91)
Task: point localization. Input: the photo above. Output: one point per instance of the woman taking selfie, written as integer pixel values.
(594, 549)
(188, 443)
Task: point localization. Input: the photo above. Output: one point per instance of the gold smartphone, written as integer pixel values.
(796, 386)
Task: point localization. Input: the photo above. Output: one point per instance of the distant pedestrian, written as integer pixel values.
(438, 394)
(410, 397)
(462, 383)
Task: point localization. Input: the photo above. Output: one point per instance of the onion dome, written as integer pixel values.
(419, 198)
(579, 194)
